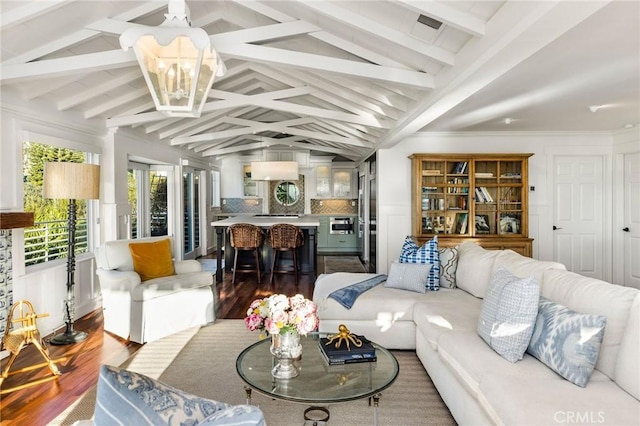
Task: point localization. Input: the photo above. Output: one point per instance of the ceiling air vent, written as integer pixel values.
(429, 22)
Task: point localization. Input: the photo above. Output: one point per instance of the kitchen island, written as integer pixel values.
(307, 254)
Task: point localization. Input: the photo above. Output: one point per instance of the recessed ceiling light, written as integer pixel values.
(628, 126)
(507, 120)
(594, 108)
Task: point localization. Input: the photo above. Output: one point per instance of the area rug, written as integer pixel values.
(342, 264)
(206, 366)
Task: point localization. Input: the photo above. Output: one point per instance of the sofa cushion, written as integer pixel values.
(128, 397)
(408, 276)
(152, 259)
(568, 342)
(508, 313)
(523, 266)
(428, 253)
(444, 312)
(380, 302)
(526, 399)
(164, 286)
(627, 373)
(475, 266)
(470, 359)
(448, 264)
(592, 296)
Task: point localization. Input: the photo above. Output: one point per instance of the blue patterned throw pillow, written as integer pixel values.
(125, 397)
(508, 313)
(428, 254)
(566, 341)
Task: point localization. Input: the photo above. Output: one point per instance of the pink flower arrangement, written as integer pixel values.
(278, 313)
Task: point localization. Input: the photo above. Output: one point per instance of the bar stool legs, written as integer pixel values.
(274, 263)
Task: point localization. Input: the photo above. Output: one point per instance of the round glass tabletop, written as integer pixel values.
(318, 382)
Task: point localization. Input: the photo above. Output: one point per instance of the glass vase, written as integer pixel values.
(286, 349)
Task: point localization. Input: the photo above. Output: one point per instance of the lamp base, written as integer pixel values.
(68, 338)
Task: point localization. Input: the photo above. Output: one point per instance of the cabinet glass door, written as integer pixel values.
(445, 197)
(250, 187)
(485, 196)
(323, 175)
(510, 193)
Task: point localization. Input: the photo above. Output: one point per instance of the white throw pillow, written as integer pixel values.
(508, 314)
(475, 266)
(408, 276)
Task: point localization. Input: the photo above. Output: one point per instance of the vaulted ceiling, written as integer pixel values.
(340, 78)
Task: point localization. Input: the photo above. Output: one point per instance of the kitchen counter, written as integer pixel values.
(265, 221)
(307, 254)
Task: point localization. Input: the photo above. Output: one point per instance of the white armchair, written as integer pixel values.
(146, 311)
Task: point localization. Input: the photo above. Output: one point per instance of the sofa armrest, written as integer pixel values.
(115, 280)
(186, 266)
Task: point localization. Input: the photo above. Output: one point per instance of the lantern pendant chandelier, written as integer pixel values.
(177, 61)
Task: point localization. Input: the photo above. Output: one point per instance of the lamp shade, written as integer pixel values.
(274, 170)
(74, 181)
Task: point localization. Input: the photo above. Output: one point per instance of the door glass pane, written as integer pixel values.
(158, 202)
(187, 211)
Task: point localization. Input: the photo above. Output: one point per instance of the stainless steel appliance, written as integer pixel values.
(341, 225)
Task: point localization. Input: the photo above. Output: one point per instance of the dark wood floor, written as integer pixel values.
(39, 404)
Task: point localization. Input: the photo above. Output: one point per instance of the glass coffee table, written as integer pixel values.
(318, 382)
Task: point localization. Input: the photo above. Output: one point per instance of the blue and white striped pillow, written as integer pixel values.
(428, 254)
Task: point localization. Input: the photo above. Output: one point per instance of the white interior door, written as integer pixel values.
(578, 235)
(631, 229)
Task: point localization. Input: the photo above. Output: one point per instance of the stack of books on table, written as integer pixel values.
(342, 355)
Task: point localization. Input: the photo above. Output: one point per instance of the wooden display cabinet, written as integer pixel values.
(471, 197)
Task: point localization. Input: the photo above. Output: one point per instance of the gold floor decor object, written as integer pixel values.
(17, 338)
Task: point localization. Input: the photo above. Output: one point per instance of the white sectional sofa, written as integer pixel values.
(477, 384)
(146, 311)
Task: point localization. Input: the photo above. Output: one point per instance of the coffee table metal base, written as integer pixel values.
(373, 401)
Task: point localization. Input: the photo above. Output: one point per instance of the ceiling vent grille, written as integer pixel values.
(429, 22)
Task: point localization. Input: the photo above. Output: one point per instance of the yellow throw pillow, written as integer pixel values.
(152, 260)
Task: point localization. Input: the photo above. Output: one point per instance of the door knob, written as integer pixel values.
(555, 228)
(626, 229)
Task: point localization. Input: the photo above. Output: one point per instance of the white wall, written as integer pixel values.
(394, 180)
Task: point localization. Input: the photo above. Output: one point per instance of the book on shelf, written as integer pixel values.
(461, 223)
(480, 196)
(431, 172)
(342, 355)
(485, 193)
(484, 175)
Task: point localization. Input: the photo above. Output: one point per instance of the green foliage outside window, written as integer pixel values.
(47, 239)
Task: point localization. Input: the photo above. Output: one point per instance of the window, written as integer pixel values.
(47, 240)
(215, 188)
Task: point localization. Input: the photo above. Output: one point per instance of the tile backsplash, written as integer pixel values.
(334, 206)
(241, 205)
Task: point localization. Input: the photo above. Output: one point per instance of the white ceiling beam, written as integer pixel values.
(324, 36)
(84, 34)
(60, 67)
(80, 97)
(263, 100)
(116, 102)
(29, 10)
(309, 61)
(236, 148)
(377, 30)
(448, 15)
(521, 30)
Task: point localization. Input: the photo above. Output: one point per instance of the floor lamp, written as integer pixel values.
(72, 181)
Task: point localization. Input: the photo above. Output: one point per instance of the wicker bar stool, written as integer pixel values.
(246, 237)
(285, 237)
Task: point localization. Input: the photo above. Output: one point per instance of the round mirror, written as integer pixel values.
(287, 193)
